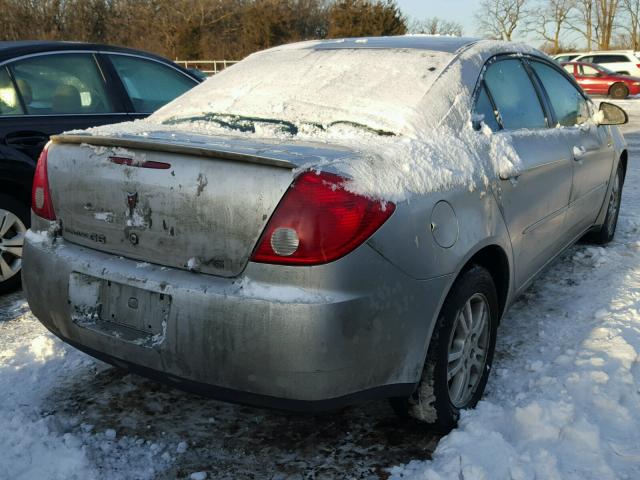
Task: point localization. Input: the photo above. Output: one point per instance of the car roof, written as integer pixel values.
(13, 49)
(438, 43)
(609, 52)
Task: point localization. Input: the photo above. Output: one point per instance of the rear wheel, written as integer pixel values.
(14, 221)
(460, 353)
(619, 91)
(608, 229)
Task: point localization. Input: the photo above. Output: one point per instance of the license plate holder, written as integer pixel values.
(119, 310)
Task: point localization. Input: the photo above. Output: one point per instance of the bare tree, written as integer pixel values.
(498, 19)
(605, 14)
(551, 18)
(437, 26)
(583, 20)
(632, 10)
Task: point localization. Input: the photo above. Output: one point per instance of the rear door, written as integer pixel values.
(619, 63)
(535, 200)
(56, 92)
(592, 80)
(591, 145)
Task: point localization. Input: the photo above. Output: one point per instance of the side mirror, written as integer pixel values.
(611, 114)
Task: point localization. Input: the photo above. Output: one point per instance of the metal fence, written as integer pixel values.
(210, 67)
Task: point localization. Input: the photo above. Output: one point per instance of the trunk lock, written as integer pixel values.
(133, 238)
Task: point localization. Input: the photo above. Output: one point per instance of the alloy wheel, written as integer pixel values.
(12, 232)
(468, 349)
(614, 203)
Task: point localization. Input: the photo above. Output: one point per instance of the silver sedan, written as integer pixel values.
(325, 222)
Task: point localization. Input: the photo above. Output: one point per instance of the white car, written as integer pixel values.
(620, 61)
(566, 57)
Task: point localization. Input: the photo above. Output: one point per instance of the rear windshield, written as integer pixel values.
(382, 89)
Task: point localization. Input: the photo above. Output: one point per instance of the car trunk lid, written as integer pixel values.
(199, 203)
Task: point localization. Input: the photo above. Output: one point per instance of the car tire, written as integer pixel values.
(14, 222)
(606, 232)
(619, 91)
(455, 372)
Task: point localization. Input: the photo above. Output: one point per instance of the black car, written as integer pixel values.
(50, 87)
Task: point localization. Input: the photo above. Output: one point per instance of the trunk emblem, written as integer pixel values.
(132, 201)
(133, 238)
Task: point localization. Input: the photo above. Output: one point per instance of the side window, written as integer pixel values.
(484, 110)
(514, 95)
(568, 68)
(150, 84)
(609, 59)
(9, 101)
(570, 107)
(589, 71)
(587, 60)
(618, 59)
(61, 84)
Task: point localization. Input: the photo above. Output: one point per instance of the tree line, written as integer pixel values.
(564, 24)
(197, 29)
(232, 29)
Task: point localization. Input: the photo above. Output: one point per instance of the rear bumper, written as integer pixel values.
(357, 329)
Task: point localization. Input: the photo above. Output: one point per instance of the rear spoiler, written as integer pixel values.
(179, 148)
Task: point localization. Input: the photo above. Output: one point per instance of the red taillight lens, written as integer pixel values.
(318, 221)
(40, 194)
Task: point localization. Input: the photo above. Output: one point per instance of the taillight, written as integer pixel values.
(319, 221)
(40, 194)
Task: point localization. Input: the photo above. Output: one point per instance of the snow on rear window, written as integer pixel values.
(381, 89)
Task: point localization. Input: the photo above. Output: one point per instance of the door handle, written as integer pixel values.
(579, 151)
(27, 139)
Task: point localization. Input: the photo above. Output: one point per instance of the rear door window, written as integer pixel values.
(609, 59)
(9, 101)
(61, 84)
(514, 95)
(150, 84)
(570, 107)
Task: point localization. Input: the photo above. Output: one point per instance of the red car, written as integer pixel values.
(597, 80)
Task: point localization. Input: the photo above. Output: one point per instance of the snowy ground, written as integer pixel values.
(562, 402)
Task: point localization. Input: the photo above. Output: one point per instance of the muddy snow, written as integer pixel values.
(562, 401)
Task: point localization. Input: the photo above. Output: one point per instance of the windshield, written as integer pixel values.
(381, 90)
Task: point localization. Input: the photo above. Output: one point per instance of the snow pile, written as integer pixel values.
(28, 446)
(38, 443)
(564, 395)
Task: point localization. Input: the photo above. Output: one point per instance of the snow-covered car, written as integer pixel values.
(325, 222)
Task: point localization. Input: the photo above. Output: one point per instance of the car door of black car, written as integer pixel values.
(50, 93)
